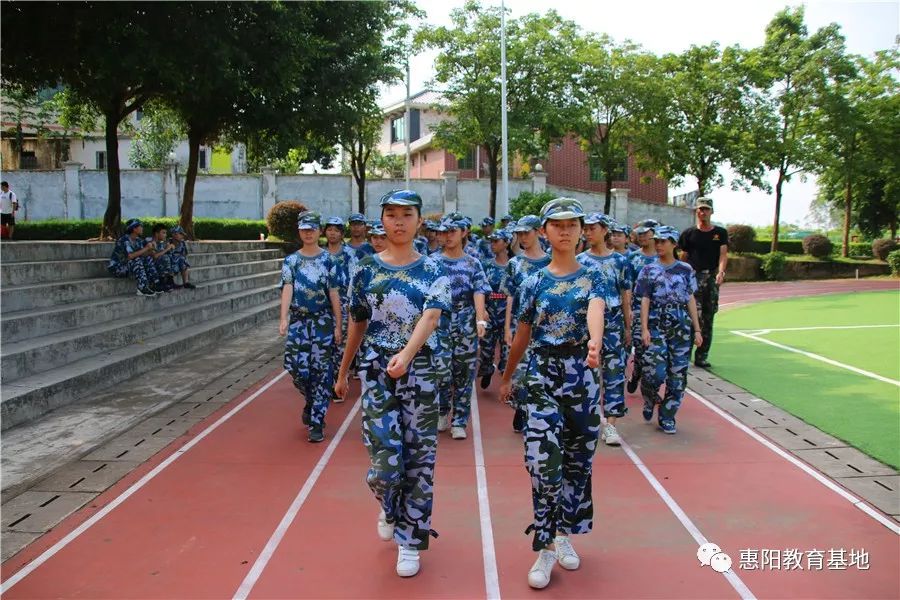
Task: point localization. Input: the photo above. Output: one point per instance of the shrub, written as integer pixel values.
(84, 229)
(773, 265)
(893, 260)
(282, 220)
(880, 248)
(528, 203)
(741, 238)
(817, 245)
(861, 250)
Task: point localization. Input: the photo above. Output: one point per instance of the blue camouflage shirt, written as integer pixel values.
(310, 277)
(672, 284)
(614, 269)
(466, 278)
(345, 262)
(637, 260)
(363, 250)
(421, 244)
(556, 307)
(494, 273)
(517, 269)
(393, 299)
(125, 246)
(484, 249)
(180, 248)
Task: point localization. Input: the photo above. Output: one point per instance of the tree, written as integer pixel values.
(385, 166)
(113, 57)
(789, 67)
(857, 134)
(540, 74)
(157, 135)
(707, 122)
(358, 137)
(616, 89)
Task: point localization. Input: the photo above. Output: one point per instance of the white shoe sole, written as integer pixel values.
(408, 571)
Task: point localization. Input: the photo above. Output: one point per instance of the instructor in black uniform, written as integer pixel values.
(705, 247)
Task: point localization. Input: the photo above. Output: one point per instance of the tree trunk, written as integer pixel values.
(190, 178)
(774, 247)
(112, 218)
(701, 187)
(848, 197)
(493, 167)
(607, 203)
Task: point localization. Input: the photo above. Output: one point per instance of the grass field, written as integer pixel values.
(833, 361)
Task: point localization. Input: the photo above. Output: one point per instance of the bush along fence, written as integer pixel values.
(84, 229)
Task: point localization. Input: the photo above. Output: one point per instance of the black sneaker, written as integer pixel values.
(486, 381)
(633, 383)
(316, 434)
(145, 292)
(702, 363)
(189, 286)
(307, 411)
(519, 421)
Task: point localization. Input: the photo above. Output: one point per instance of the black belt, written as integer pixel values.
(561, 351)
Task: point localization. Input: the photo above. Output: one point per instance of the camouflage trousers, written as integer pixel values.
(338, 354)
(496, 311)
(612, 363)
(307, 357)
(142, 269)
(563, 425)
(707, 297)
(400, 432)
(519, 393)
(666, 361)
(179, 263)
(456, 390)
(164, 265)
(636, 343)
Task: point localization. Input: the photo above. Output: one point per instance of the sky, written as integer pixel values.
(664, 26)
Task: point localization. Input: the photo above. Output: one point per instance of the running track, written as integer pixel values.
(202, 521)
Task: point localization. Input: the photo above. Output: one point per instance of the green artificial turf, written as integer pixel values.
(862, 411)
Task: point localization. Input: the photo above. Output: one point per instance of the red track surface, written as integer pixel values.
(196, 529)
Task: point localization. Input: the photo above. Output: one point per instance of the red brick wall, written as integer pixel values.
(567, 166)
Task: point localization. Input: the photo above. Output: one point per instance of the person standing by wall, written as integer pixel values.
(9, 204)
(705, 247)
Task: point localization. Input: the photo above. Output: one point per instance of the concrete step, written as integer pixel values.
(45, 353)
(25, 273)
(32, 396)
(66, 250)
(26, 324)
(43, 295)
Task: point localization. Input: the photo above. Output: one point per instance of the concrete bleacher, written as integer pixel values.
(68, 329)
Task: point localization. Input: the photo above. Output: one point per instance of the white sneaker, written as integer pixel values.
(443, 422)
(539, 575)
(565, 554)
(458, 433)
(385, 529)
(407, 561)
(610, 435)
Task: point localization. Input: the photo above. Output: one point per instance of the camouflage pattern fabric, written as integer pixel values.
(612, 363)
(496, 312)
(666, 361)
(345, 263)
(400, 432)
(142, 269)
(179, 257)
(308, 358)
(563, 425)
(707, 306)
(164, 262)
(456, 391)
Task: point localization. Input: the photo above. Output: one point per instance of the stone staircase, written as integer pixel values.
(68, 329)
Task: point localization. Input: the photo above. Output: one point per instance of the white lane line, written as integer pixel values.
(858, 503)
(269, 550)
(739, 586)
(819, 358)
(755, 332)
(491, 578)
(72, 535)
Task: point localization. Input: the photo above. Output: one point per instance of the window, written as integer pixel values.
(28, 160)
(620, 171)
(398, 129)
(467, 162)
(101, 160)
(201, 163)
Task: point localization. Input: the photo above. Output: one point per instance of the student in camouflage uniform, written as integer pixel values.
(468, 320)
(311, 319)
(162, 257)
(637, 260)
(618, 237)
(613, 268)
(396, 299)
(668, 312)
(179, 254)
(132, 257)
(377, 237)
(358, 230)
(431, 232)
(495, 271)
(345, 261)
(484, 244)
(561, 317)
(519, 267)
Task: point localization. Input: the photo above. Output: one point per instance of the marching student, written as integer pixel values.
(345, 261)
(431, 232)
(668, 314)
(637, 260)
(311, 319)
(561, 318)
(358, 229)
(468, 321)
(618, 237)
(494, 271)
(485, 243)
(613, 268)
(377, 238)
(396, 299)
(519, 267)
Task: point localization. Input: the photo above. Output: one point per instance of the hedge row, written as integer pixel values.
(204, 229)
(796, 247)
